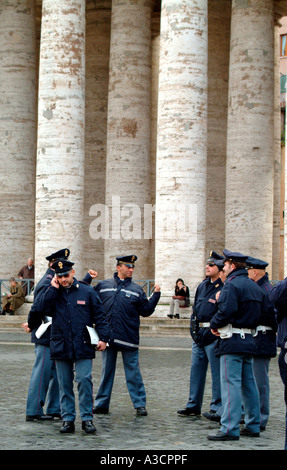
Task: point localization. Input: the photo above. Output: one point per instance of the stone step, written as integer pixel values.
(150, 326)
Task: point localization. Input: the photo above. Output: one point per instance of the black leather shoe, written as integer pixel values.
(141, 411)
(246, 432)
(98, 410)
(170, 316)
(68, 427)
(212, 416)
(39, 418)
(88, 427)
(189, 412)
(220, 436)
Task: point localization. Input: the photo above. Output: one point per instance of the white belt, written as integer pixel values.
(204, 325)
(262, 328)
(242, 331)
(228, 330)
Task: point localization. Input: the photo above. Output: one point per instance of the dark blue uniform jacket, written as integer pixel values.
(124, 302)
(241, 303)
(278, 295)
(205, 306)
(72, 310)
(266, 341)
(34, 317)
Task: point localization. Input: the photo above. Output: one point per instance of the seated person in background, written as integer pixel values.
(27, 272)
(15, 299)
(179, 299)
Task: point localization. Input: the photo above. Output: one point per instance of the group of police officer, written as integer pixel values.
(64, 313)
(235, 316)
(233, 326)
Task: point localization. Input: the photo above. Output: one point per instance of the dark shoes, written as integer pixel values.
(7, 312)
(88, 427)
(68, 427)
(141, 411)
(189, 412)
(212, 416)
(175, 316)
(246, 432)
(98, 410)
(39, 418)
(220, 436)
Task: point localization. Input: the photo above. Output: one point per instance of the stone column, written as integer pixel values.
(250, 145)
(18, 94)
(97, 78)
(274, 269)
(128, 137)
(219, 14)
(181, 144)
(60, 147)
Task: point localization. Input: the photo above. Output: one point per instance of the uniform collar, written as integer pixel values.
(237, 272)
(123, 281)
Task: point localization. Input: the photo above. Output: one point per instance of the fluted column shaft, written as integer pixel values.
(128, 133)
(181, 144)
(60, 148)
(18, 93)
(250, 166)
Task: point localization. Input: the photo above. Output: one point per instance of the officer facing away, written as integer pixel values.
(265, 337)
(73, 305)
(240, 309)
(124, 302)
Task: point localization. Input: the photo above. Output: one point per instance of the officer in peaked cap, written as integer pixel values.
(265, 336)
(43, 386)
(234, 256)
(61, 254)
(241, 305)
(127, 260)
(62, 267)
(216, 259)
(255, 263)
(204, 343)
(124, 302)
(73, 306)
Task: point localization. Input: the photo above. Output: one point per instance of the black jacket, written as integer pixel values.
(242, 304)
(124, 302)
(266, 341)
(72, 310)
(205, 306)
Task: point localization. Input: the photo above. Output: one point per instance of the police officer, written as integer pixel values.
(43, 387)
(265, 337)
(278, 295)
(73, 305)
(124, 302)
(240, 308)
(204, 342)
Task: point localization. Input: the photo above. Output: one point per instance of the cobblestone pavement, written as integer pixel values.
(165, 364)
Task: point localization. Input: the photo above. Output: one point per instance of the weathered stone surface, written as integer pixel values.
(181, 144)
(128, 133)
(61, 127)
(18, 93)
(250, 136)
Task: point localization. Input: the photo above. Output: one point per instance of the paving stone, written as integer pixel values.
(165, 365)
